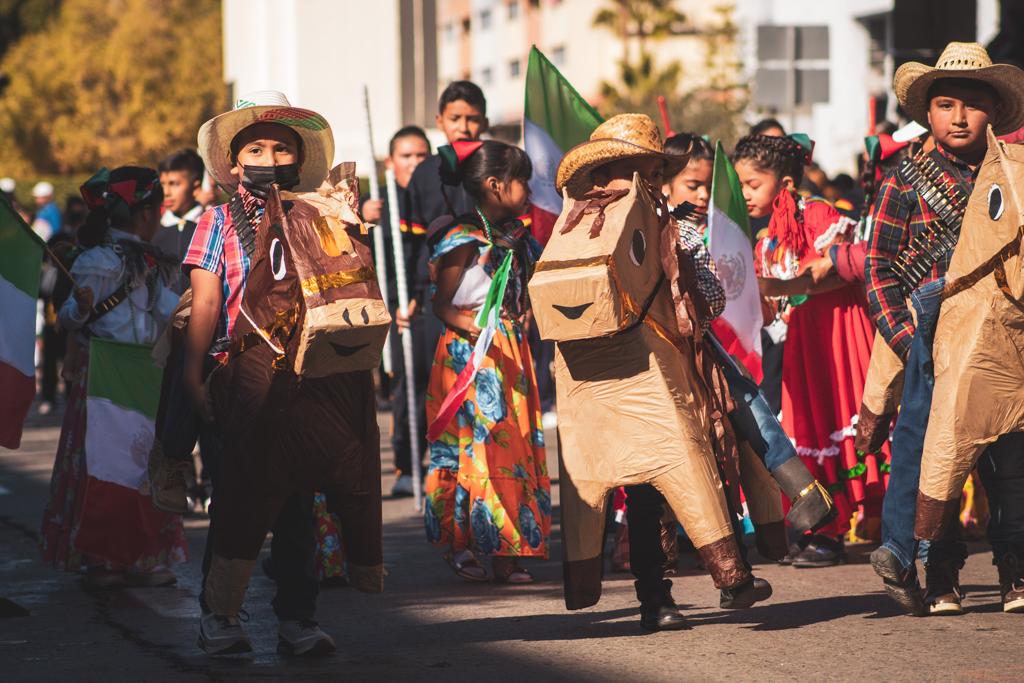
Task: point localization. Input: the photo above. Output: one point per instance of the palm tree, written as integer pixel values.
(641, 19)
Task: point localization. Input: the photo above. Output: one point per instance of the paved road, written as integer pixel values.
(824, 624)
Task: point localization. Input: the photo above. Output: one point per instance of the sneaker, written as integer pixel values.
(794, 550)
(820, 552)
(1011, 584)
(223, 635)
(151, 579)
(303, 638)
(549, 420)
(942, 588)
(402, 487)
(900, 584)
(745, 594)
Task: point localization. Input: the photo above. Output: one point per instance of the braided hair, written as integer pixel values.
(778, 155)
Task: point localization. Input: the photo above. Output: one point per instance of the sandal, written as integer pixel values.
(513, 574)
(466, 566)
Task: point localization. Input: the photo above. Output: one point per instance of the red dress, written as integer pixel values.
(824, 365)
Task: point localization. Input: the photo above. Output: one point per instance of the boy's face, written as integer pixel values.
(460, 120)
(409, 152)
(179, 191)
(692, 184)
(958, 115)
(265, 144)
(759, 187)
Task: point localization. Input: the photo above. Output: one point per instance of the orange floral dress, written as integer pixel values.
(487, 486)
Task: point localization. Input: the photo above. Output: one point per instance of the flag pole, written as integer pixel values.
(407, 351)
(663, 110)
(379, 258)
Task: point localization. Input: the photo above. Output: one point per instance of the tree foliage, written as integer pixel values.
(111, 82)
(22, 17)
(714, 109)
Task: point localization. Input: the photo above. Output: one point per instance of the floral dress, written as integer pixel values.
(824, 366)
(487, 486)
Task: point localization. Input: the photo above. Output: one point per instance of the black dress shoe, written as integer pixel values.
(662, 618)
(745, 594)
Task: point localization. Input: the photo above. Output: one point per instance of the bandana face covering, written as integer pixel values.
(258, 179)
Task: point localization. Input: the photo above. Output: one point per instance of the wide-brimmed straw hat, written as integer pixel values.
(267, 106)
(968, 61)
(621, 137)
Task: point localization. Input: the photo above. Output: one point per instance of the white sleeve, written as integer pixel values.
(98, 272)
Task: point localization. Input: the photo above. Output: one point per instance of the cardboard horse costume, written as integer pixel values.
(296, 394)
(979, 339)
(633, 408)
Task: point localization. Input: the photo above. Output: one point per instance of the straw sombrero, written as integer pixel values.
(969, 61)
(267, 106)
(620, 137)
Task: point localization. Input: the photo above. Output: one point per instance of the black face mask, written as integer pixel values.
(258, 179)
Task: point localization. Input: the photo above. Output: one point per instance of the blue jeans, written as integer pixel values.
(752, 418)
(900, 505)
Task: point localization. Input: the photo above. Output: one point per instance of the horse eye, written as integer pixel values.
(638, 248)
(277, 265)
(995, 202)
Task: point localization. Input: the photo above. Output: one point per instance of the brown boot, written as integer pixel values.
(1011, 583)
(942, 588)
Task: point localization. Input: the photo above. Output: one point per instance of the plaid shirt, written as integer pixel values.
(899, 214)
(708, 283)
(215, 247)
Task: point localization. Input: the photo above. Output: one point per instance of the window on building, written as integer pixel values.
(793, 66)
(513, 68)
(513, 10)
(487, 76)
(485, 19)
(558, 55)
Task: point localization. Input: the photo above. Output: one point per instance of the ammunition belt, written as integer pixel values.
(937, 241)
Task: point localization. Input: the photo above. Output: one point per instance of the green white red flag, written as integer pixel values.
(118, 521)
(487, 319)
(21, 261)
(555, 119)
(731, 246)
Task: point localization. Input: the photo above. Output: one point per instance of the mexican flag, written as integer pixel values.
(487, 320)
(730, 244)
(119, 522)
(21, 261)
(555, 119)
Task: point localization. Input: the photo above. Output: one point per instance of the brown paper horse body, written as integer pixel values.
(631, 406)
(284, 431)
(979, 340)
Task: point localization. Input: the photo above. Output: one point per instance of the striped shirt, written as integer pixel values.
(215, 248)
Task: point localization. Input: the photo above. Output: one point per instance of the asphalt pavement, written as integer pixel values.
(428, 625)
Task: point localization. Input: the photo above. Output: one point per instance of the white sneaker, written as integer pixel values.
(303, 638)
(549, 420)
(222, 635)
(402, 487)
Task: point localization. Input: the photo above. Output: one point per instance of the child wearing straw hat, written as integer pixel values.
(262, 142)
(627, 318)
(917, 219)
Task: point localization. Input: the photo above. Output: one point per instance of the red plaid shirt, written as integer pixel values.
(899, 214)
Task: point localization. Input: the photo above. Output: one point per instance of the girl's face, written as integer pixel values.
(505, 200)
(692, 184)
(146, 221)
(760, 188)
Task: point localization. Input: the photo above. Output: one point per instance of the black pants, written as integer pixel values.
(643, 518)
(292, 549)
(54, 345)
(426, 330)
(1001, 468)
